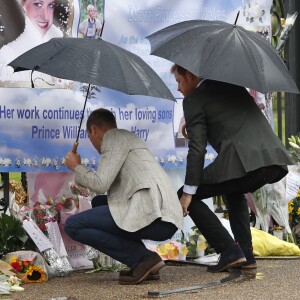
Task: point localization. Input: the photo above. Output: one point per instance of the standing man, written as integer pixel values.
(250, 155)
(141, 201)
(91, 27)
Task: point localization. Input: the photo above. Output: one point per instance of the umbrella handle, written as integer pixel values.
(75, 146)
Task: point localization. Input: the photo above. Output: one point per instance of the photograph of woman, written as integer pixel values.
(41, 23)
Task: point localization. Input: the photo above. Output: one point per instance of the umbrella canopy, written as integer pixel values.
(224, 52)
(94, 61)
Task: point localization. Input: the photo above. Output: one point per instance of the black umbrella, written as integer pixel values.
(224, 52)
(94, 61)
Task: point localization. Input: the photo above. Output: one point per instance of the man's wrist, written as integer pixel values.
(190, 189)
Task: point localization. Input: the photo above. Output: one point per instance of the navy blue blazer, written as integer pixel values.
(227, 117)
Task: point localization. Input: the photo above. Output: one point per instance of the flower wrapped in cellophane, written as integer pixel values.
(169, 250)
(294, 215)
(262, 207)
(29, 265)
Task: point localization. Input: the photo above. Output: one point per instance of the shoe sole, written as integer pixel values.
(153, 277)
(154, 269)
(249, 267)
(236, 263)
(150, 277)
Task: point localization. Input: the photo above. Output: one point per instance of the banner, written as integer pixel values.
(39, 126)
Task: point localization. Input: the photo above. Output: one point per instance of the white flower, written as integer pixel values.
(18, 161)
(209, 156)
(14, 284)
(46, 161)
(13, 280)
(172, 159)
(35, 162)
(162, 160)
(201, 238)
(16, 288)
(180, 158)
(93, 163)
(27, 162)
(294, 145)
(85, 162)
(253, 10)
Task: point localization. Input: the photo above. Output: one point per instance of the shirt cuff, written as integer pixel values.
(190, 189)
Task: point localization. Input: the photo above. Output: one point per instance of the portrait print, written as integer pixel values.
(27, 24)
(91, 19)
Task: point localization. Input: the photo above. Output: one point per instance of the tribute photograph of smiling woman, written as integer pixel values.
(39, 28)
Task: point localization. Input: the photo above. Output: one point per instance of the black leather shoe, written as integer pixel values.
(231, 257)
(151, 276)
(152, 264)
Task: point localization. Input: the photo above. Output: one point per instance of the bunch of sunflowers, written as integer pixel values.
(28, 272)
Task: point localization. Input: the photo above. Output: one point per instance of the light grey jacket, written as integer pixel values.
(139, 190)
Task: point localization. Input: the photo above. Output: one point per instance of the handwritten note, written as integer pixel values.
(292, 185)
(38, 237)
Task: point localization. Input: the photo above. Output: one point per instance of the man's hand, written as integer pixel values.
(72, 160)
(185, 202)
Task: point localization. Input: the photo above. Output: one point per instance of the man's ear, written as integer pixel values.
(192, 77)
(93, 129)
(189, 75)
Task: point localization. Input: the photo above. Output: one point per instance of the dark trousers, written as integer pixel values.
(233, 191)
(96, 227)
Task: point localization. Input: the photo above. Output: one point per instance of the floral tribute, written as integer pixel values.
(50, 210)
(184, 250)
(45, 215)
(294, 210)
(27, 270)
(168, 250)
(195, 242)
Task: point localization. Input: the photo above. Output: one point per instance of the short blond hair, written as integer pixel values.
(89, 7)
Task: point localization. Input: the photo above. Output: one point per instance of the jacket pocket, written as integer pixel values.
(138, 187)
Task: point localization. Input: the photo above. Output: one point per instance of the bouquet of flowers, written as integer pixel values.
(9, 284)
(263, 207)
(168, 250)
(294, 210)
(195, 242)
(43, 214)
(29, 265)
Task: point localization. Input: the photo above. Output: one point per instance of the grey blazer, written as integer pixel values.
(138, 189)
(227, 117)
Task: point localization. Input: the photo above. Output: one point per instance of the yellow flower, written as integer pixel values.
(162, 250)
(35, 274)
(291, 206)
(184, 250)
(202, 245)
(14, 258)
(298, 211)
(201, 238)
(167, 250)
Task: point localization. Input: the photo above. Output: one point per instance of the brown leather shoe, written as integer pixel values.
(248, 266)
(152, 264)
(151, 276)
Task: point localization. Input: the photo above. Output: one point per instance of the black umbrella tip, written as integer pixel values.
(237, 16)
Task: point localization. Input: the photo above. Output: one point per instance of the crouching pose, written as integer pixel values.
(141, 201)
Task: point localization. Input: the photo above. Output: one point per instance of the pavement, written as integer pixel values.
(274, 279)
